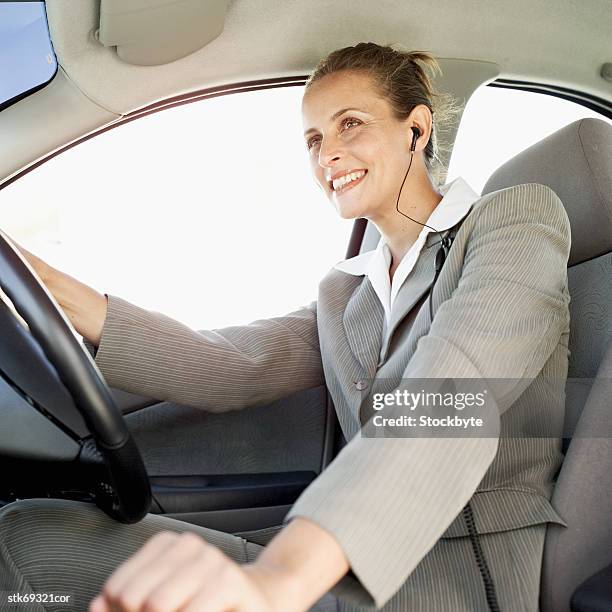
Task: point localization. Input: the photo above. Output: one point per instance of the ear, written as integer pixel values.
(421, 119)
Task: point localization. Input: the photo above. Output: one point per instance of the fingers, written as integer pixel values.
(128, 570)
(209, 577)
(21, 249)
(99, 605)
(40, 267)
(132, 582)
(164, 574)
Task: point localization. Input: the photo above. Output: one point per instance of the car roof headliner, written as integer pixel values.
(563, 42)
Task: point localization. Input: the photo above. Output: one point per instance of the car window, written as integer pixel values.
(499, 123)
(27, 60)
(206, 212)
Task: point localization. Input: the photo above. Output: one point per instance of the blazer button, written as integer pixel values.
(361, 385)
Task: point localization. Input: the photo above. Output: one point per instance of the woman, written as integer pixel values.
(429, 523)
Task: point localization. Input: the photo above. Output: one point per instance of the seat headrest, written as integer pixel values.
(576, 163)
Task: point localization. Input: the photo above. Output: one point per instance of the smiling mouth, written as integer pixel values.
(348, 185)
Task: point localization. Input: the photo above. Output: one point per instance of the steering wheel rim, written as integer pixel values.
(127, 495)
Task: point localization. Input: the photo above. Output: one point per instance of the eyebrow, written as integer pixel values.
(334, 117)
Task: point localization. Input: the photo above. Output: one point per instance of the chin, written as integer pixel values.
(350, 210)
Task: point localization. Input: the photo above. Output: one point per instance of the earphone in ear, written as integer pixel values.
(415, 135)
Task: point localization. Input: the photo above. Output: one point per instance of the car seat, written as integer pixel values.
(576, 162)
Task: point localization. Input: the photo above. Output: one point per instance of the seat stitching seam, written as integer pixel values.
(593, 179)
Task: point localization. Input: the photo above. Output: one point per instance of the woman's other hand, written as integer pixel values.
(183, 572)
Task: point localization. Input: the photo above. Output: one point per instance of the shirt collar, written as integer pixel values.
(457, 199)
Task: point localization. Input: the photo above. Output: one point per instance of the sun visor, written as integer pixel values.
(153, 32)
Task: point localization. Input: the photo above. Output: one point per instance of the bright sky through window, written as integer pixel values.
(208, 212)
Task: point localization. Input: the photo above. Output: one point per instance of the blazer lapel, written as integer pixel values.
(363, 320)
(416, 284)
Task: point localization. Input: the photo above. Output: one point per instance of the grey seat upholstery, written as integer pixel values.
(576, 162)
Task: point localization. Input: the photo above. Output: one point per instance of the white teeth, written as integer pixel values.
(347, 178)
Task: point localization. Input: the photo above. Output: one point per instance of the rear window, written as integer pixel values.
(488, 136)
(27, 60)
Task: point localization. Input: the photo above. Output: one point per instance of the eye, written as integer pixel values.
(311, 142)
(345, 122)
(348, 120)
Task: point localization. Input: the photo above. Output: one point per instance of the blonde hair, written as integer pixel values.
(403, 78)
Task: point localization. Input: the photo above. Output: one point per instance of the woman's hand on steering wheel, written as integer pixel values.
(42, 268)
(84, 306)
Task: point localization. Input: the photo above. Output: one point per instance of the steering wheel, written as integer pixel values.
(124, 491)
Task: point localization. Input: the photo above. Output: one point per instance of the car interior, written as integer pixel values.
(240, 471)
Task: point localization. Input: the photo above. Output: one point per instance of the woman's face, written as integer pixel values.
(350, 129)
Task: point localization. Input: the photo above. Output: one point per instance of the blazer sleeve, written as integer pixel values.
(388, 500)
(150, 354)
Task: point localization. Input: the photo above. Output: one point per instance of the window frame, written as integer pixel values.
(594, 103)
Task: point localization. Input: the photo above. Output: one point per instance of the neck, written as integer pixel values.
(418, 200)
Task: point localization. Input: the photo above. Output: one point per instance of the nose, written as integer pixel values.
(329, 153)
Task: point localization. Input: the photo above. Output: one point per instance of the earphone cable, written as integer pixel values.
(400, 193)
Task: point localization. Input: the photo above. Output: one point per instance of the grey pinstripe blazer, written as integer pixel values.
(500, 311)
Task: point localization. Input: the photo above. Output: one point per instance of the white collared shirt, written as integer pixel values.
(457, 199)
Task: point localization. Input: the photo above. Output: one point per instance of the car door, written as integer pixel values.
(186, 212)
